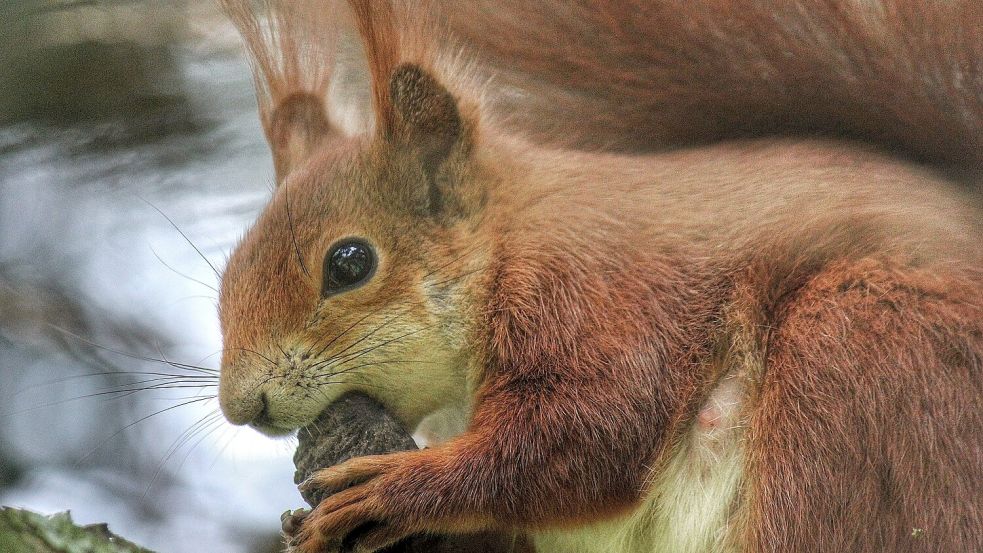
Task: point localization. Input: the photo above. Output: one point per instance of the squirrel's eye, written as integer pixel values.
(348, 264)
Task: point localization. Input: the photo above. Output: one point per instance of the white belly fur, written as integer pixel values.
(692, 505)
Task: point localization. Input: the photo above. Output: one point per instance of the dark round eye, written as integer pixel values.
(348, 264)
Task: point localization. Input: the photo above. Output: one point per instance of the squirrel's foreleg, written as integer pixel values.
(531, 459)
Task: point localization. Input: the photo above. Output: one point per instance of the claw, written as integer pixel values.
(291, 521)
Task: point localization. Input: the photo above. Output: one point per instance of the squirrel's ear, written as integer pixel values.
(296, 126)
(427, 117)
(426, 120)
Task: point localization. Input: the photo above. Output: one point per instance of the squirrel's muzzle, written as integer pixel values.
(241, 404)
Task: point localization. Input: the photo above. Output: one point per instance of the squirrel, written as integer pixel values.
(702, 275)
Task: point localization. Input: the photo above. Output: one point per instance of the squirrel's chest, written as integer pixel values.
(693, 504)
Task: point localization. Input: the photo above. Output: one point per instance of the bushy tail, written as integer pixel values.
(639, 75)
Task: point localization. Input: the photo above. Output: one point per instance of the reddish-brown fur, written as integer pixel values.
(640, 75)
(604, 296)
(868, 424)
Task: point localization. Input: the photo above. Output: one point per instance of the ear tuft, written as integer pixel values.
(292, 48)
(428, 117)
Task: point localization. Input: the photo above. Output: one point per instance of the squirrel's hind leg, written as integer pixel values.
(866, 436)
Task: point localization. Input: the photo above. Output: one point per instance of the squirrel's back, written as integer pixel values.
(635, 75)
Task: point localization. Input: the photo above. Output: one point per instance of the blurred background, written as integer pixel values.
(124, 124)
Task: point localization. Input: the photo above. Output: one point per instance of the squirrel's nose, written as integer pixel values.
(242, 405)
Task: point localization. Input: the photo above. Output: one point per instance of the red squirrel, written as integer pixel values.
(701, 276)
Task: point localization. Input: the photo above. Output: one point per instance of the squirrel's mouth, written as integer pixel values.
(272, 430)
(265, 424)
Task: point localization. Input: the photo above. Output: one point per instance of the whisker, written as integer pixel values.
(136, 422)
(464, 254)
(186, 239)
(344, 332)
(458, 277)
(109, 394)
(222, 449)
(204, 422)
(351, 369)
(124, 392)
(212, 299)
(247, 350)
(193, 396)
(179, 273)
(258, 354)
(150, 385)
(219, 424)
(396, 315)
(212, 420)
(357, 354)
(321, 387)
(362, 339)
(163, 376)
(176, 365)
(308, 350)
(293, 235)
(280, 347)
(164, 358)
(182, 438)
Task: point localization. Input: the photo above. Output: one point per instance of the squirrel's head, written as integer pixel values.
(355, 276)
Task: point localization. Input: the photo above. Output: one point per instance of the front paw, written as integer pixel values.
(290, 522)
(359, 512)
